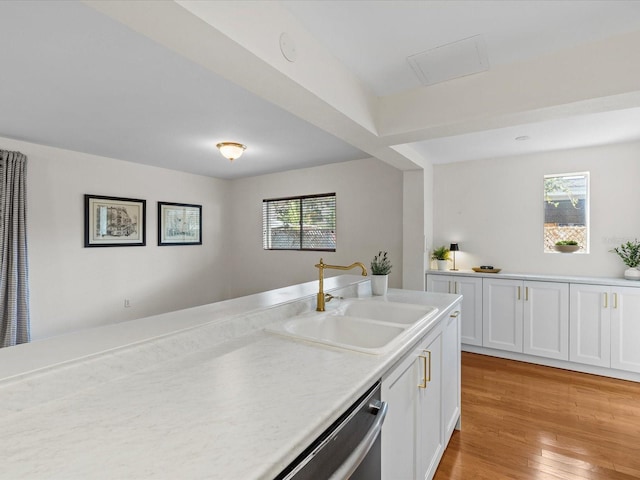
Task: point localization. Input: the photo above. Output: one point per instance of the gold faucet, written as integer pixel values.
(322, 297)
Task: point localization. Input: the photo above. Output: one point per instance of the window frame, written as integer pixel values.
(587, 208)
(302, 224)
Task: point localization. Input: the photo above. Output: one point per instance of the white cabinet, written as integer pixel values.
(625, 329)
(502, 314)
(429, 447)
(423, 393)
(590, 322)
(451, 370)
(605, 326)
(526, 317)
(471, 290)
(546, 319)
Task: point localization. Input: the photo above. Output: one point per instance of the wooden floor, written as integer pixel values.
(523, 421)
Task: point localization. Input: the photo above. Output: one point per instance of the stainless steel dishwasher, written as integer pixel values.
(349, 448)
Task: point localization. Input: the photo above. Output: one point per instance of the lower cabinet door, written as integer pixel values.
(400, 428)
(589, 325)
(502, 314)
(451, 374)
(625, 328)
(430, 445)
(412, 433)
(546, 319)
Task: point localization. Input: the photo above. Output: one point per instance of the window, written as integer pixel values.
(566, 210)
(300, 223)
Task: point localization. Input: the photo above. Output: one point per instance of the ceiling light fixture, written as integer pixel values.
(231, 150)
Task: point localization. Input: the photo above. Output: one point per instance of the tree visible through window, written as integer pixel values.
(300, 223)
(566, 210)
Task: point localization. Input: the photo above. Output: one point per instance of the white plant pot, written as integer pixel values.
(632, 274)
(380, 283)
(443, 264)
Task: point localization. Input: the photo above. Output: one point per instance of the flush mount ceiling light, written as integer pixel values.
(231, 150)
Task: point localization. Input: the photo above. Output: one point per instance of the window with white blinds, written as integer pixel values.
(300, 223)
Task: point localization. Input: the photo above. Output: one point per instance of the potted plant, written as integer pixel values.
(630, 254)
(441, 255)
(380, 269)
(567, 246)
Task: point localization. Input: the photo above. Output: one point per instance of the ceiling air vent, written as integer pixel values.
(453, 60)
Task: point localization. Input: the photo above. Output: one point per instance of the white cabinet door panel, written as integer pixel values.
(546, 319)
(590, 320)
(625, 329)
(502, 314)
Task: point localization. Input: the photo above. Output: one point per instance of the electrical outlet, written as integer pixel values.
(127, 303)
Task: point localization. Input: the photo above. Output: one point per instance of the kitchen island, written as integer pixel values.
(198, 393)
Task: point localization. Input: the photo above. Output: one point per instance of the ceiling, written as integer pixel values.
(81, 80)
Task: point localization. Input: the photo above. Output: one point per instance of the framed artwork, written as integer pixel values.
(179, 224)
(114, 221)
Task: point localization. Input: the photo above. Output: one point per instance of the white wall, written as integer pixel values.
(494, 209)
(369, 219)
(73, 287)
(413, 238)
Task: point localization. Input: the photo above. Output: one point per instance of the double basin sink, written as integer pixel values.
(363, 325)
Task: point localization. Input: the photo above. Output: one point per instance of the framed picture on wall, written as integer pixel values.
(179, 224)
(114, 221)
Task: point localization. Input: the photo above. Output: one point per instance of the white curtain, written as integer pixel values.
(14, 267)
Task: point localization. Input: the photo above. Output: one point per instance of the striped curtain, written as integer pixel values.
(14, 267)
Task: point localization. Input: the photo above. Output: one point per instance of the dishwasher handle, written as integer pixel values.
(355, 459)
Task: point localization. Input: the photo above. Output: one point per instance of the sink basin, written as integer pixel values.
(391, 312)
(363, 325)
(342, 331)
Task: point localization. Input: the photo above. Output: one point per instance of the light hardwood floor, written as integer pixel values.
(523, 421)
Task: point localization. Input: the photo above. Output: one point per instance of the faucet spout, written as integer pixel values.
(321, 299)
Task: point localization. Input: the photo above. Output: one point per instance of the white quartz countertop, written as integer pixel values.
(619, 282)
(215, 398)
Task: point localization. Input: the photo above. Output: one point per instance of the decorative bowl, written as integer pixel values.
(485, 270)
(567, 248)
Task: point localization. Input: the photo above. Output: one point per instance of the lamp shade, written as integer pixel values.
(231, 150)
(454, 247)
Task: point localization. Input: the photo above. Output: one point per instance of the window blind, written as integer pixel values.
(300, 223)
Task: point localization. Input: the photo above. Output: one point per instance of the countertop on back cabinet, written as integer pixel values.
(620, 282)
(207, 394)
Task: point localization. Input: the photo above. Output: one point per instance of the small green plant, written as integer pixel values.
(380, 264)
(441, 253)
(567, 242)
(629, 253)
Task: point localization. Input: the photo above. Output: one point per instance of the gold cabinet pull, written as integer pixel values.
(455, 314)
(424, 371)
(449, 289)
(518, 293)
(606, 300)
(455, 287)
(615, 300)
(526, 294)
(429, 354)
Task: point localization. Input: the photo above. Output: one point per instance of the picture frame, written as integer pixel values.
(179, 224)
(114, 221)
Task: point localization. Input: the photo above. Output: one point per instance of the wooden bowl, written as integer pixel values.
(485, 270)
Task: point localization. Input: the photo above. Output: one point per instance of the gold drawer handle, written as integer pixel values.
(424, 370)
